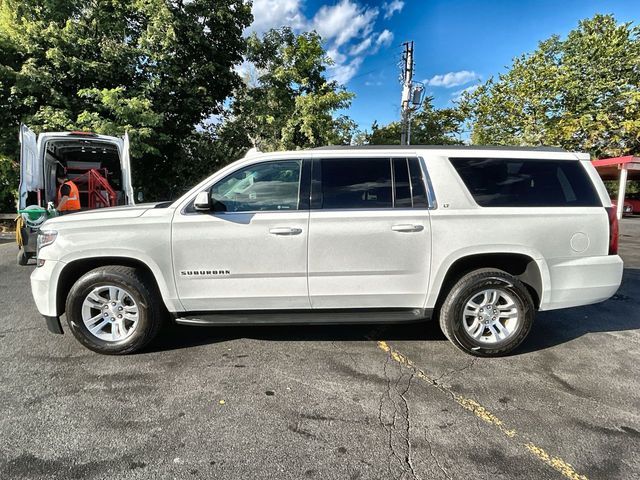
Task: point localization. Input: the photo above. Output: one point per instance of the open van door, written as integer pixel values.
(31, 171)
(127, 185)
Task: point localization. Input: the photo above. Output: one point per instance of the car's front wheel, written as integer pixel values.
(487, 313)
(23, 257)
(113, 310)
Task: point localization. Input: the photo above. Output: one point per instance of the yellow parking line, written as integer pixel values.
(485, 415)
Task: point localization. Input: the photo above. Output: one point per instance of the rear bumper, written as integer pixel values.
(582, 281)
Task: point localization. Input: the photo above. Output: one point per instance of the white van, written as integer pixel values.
(44, 156)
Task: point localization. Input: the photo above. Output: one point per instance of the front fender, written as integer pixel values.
(165, 282)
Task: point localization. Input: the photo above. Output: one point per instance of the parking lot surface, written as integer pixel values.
(355, 402)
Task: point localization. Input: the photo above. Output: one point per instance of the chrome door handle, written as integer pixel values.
(407, 228)
(285, 231)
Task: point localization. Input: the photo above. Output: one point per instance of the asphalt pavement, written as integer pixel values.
(324, 402)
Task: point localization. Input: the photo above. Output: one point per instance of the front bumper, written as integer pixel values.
(54, 325)
(44, 280)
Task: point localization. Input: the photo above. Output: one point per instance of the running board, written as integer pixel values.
(292, 317)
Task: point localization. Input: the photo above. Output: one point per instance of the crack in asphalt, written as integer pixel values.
(388, 428)
(408, 430)
(435, 459)
(456, 371)
(404, 460)
(18, 330)
(482, 413)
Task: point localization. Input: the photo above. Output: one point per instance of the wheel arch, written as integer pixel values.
(531, 272)
(78, 267)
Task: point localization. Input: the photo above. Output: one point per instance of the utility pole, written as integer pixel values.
(407, 79)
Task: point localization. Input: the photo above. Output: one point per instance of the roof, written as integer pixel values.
(440, 147)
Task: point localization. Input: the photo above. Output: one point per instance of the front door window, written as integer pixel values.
(270, 186)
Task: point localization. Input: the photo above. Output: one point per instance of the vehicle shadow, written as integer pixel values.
(620, 313)
(178, 336)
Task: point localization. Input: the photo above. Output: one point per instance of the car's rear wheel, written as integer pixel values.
(113, 310)
(487, 313)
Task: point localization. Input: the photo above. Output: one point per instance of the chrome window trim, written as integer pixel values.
(431, 196)
(406, 161)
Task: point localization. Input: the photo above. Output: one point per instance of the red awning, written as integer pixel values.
(609, 168)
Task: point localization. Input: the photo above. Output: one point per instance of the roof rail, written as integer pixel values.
(441, 147)
(252, 152)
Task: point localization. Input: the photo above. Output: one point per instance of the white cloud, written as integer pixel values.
(385, 38)
(382, 39)
(392, 7)
(336, 56)
(457, 95)
(361, 47)
(276, 13)
(452, 79)
(344, 21)
(346, 27)
(342, 73)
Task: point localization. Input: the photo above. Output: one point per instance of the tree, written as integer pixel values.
(154, 68)
(581, 93)
(428, 127)
(290, 104)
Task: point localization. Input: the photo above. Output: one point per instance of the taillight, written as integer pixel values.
(614, 230)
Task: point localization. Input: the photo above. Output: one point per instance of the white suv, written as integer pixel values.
(480, 238)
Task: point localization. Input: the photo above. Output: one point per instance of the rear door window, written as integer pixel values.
(355, 183)
(364, 183)
(402, 183)
(418, 187)
(500, 182)
(408, 182)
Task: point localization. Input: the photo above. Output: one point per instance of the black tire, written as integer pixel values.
(23, 257)
(142, 290)
(451, 312)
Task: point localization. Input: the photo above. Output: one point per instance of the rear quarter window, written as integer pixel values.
(500, 182)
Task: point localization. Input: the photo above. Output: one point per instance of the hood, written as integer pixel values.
(111, 213)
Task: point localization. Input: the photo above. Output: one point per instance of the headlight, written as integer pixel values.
(46, 237)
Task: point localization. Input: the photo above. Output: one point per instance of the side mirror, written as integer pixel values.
(140, 197)
(202, 202)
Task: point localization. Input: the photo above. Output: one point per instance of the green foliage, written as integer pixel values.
(428, 127)
(633, 186)
(205, 151)
(289, 104)
(8, 184)
(581, 93)
(154, 68)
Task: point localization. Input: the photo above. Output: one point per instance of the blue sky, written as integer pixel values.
(458, 43)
